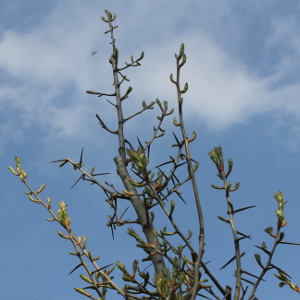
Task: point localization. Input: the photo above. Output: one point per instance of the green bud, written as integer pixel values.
(217, 187)
(171, 78)
(152, 216)
(144, 104)
(224, 220)
(195, 167)
(135, 266)
(257, 257)
(41, 188)
(183, 60)
(165, 106)
(110, 270)
(281, 236)
(83, 292)
(13, 171)
(181, 51)
(104, 20)
(230, 165)
(228, 186)
(83, 277)
(33, 200)
(169, 233)
(193, 137)
(18, 163)
(50, 220)
(92, 92)
(159, 104)
(180, 102)
(269, 230)
(63, 163)
(62, 235)
(170, 112)
(158, 136)
(186, 86)
(175, 122)
(237, 185)
(172, 207)
(109, 16)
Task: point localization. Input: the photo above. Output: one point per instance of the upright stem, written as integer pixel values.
(236, 241)
(266, 268)
(194, 184)
(114, 62)
(121, 163)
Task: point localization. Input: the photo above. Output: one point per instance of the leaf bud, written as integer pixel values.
(186, 86)
(41, 188)
(83, 292)
(171, 78)
(13, 171)
(172, 207)
(83, 277)
(63, 163)
(62, 235)
(175, 122)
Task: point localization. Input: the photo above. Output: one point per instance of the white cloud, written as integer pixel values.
(55, 54)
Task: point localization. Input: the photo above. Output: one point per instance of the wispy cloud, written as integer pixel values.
(50, 67)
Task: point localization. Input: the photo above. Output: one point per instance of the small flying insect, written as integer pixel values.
(93, 53)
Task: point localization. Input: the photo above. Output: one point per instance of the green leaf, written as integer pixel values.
(269, 230)
(257, 257)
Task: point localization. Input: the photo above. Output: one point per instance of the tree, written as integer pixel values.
(180, 271)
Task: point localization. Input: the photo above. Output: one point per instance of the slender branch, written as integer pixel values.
(235, 238)
(267, 265)
(76, 243)
(181, 58)
(104, 126)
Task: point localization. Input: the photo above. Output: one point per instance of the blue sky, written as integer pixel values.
(243, 61)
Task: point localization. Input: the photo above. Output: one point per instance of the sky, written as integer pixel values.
(243, 61)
